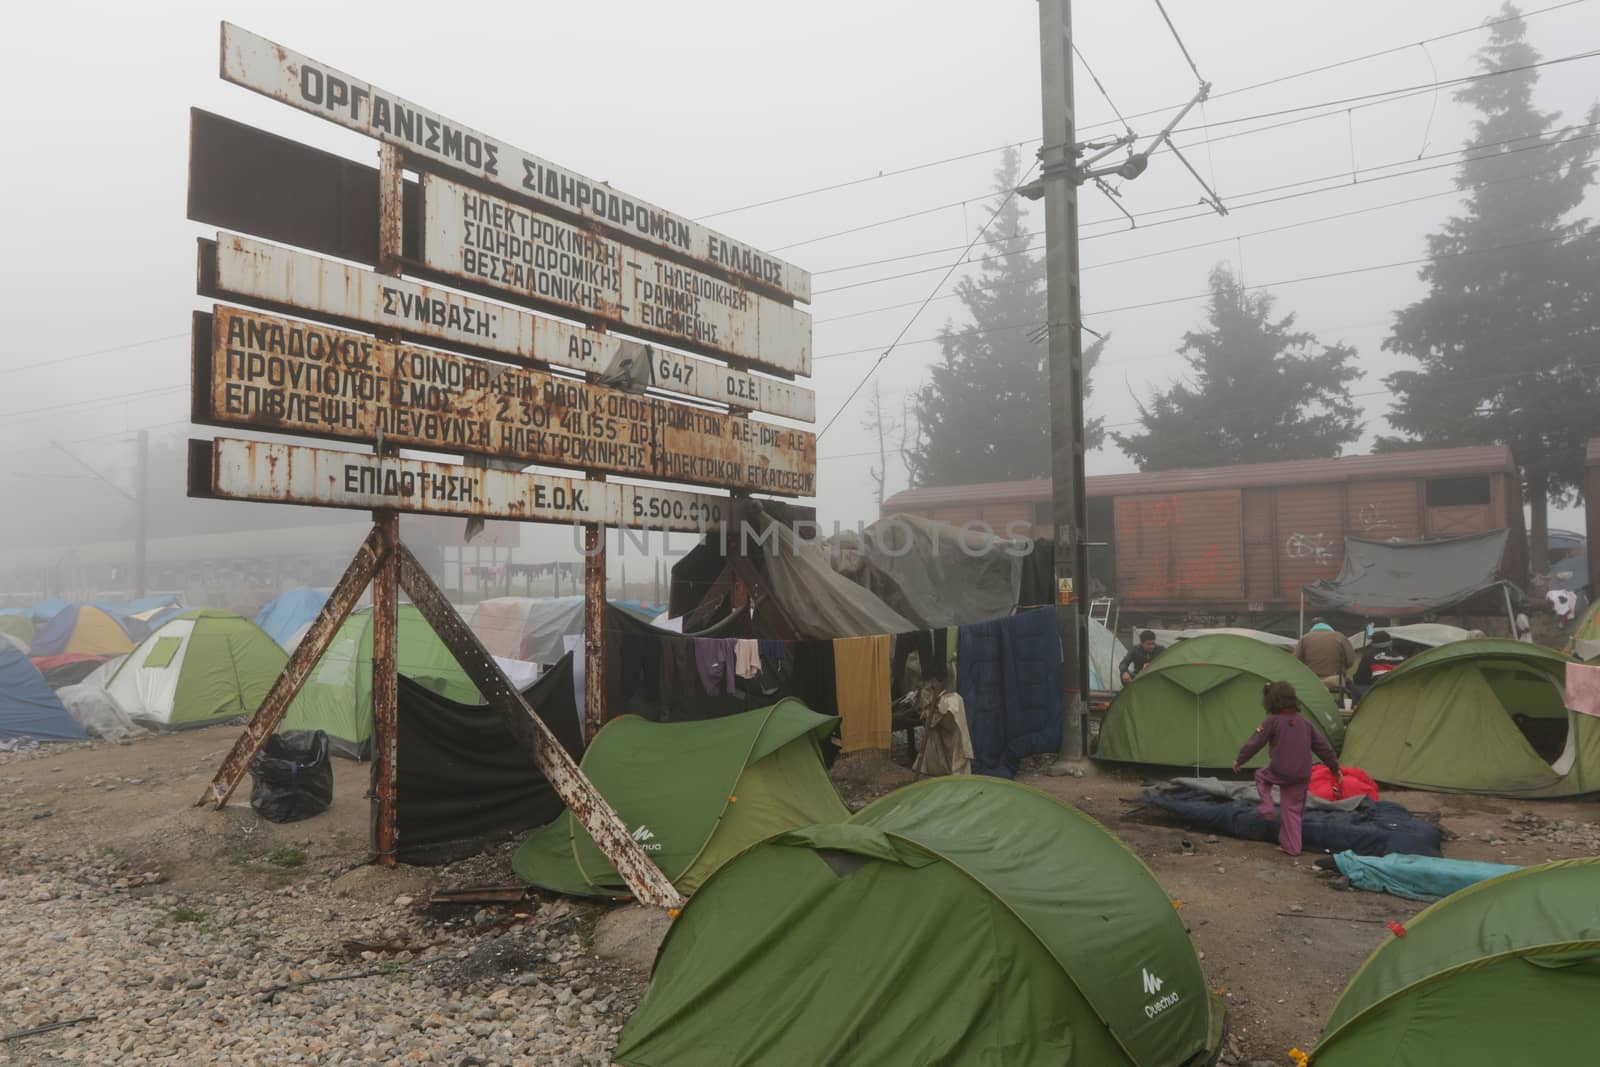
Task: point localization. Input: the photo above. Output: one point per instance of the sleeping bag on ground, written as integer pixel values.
(1355, 782)
(1375, 828)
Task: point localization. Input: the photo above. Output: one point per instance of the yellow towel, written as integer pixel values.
(861, 679)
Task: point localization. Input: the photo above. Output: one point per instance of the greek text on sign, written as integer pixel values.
(293, 377)
(256, 271)
(321, 477)
(299, 81)
(472, 235)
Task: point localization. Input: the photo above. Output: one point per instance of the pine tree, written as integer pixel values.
(1260, 390)
(984, 413)
(1508, 337)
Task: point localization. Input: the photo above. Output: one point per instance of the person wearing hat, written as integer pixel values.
(1327, 652)
(1292, 739)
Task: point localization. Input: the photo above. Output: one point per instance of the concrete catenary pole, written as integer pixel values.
(1058, 175)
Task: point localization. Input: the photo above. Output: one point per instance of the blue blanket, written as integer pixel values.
(1415, 877)
(1008, 672)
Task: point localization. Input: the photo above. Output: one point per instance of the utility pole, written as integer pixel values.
(142, 520)
(1059, 179)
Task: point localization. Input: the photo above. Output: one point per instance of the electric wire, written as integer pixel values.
(998, 208)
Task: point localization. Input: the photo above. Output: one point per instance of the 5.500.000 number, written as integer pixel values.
(680, 510)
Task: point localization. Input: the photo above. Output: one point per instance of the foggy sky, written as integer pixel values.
(709, 105)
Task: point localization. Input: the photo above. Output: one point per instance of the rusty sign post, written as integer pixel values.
(386, 581)
(499, 385)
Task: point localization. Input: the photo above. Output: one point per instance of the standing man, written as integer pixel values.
(1139, 657)
(1328, 653)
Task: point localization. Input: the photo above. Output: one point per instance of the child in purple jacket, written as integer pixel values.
(1293, 740)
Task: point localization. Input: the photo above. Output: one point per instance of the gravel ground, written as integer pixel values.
(187, 938)
(197, 937)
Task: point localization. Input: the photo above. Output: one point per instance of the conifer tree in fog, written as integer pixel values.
(984, 413)
(1257, 390)
(1507, 340)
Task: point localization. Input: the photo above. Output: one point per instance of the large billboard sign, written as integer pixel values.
(287, 376)
(300, 81)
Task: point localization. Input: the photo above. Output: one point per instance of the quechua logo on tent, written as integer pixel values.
(646, 838)
(1152, 986)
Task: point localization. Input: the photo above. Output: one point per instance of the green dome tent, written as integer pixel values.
(1198, 701)
(1471, 717)
(337, 696)
(1504, 972)
(958, 920)
(18, 625)
(197, 668)
(694, 794)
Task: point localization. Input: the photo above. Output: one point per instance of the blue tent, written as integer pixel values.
(45, 610)
(28, 707)
(283, 617)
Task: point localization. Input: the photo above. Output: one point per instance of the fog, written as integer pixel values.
(709, 106)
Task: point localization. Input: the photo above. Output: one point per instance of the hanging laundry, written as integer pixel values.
(861, 679)
(713, 657)
(746, 657)
(773, 650)
(1010, 680)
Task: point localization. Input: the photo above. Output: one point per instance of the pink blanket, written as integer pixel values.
(1583, 688)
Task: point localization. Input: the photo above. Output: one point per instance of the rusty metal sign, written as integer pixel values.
(282, 278)
(301, 82)
(287, 376)
(490, 241)
(275, 473)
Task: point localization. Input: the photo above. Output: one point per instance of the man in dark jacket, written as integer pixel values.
(1328, 653)
(1139, 657)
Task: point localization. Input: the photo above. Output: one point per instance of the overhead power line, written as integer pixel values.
(1181, 46)
(1477, 27)
(885, 354)
(1386, 96)
(1279, 283)
(1340, 177)
(54, 360)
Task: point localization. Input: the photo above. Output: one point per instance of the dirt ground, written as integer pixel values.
(1273, 933)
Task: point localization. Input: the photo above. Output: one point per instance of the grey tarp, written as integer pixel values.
(934, 573)
(1382, 578)
(821, 602)
(1426, 634)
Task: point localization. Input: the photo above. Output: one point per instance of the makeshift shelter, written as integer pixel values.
(1197, 702)
(932, 572)
(337, 696)
(1505, 971)
(198, 668)
(958, 920)
(1385, 579)
(1473, 717)
(528, 628)
(463, 779)
(81, 628)
(694, 794)
(28, 707)
(286, 615)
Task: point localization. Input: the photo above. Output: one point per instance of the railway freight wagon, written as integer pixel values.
(1244, 540)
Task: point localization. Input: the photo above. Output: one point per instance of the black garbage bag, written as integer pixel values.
(292, 776)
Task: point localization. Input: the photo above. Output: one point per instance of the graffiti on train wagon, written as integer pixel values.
(1317, 547)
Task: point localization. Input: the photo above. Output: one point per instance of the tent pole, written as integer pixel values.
(1302, 629)
(1511, 613)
